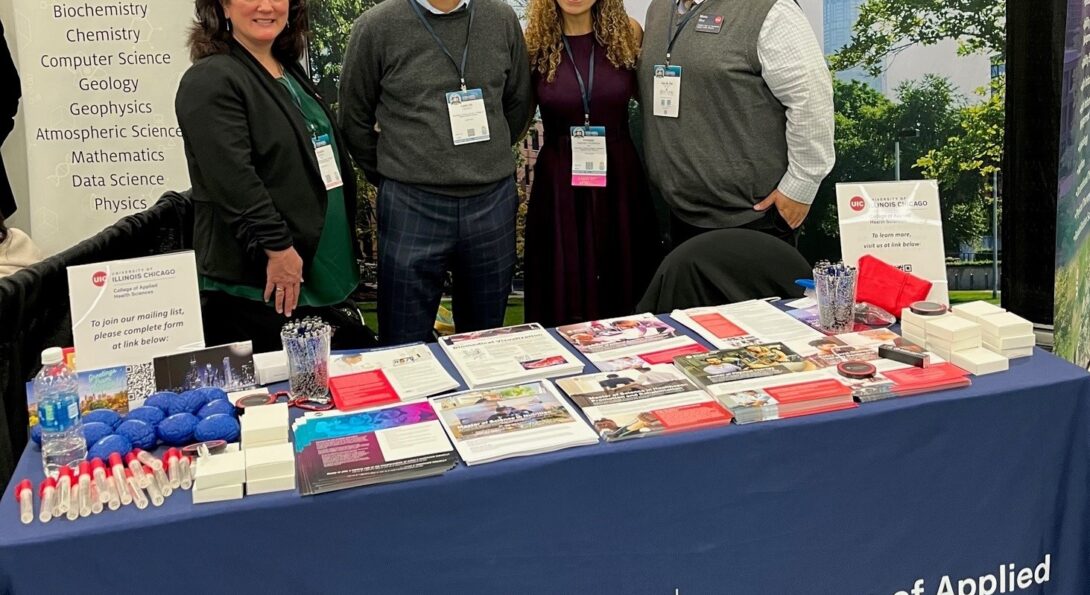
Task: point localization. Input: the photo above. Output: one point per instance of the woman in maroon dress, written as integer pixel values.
(591, 237)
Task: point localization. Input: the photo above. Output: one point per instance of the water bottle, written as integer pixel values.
(57, 391)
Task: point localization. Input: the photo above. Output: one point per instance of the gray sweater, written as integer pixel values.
(395, 75)
(728, 149)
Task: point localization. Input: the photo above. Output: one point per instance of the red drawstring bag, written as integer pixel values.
(887, 286)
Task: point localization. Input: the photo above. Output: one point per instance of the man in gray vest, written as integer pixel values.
(737, 114)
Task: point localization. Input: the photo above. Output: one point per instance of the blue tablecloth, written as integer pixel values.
(902, 493)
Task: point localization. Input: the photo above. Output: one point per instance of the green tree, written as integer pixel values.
(886, 27)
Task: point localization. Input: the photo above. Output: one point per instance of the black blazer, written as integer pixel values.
(256, 182)
(9, 105)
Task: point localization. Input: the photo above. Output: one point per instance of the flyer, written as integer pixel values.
(413, 371)
(747, 323)
(628, 341)
(501, 356)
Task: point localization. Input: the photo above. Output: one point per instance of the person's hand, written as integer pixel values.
(792, 211)
(283, 276)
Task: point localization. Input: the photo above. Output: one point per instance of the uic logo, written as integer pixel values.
(99, 278)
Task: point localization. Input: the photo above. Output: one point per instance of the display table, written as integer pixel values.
(961, 483)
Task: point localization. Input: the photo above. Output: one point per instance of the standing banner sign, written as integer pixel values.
(99, 79)
(131, 311)
(897, 222)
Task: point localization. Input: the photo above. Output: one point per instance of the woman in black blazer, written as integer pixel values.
(274, 191)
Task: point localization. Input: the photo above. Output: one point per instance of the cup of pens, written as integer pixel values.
(835, 285)
(306, 343)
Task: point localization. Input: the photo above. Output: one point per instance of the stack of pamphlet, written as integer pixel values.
(716, 370)
(643, 402)
(511, 354)
(849, 347)
(747, 323)
(628, 342)
(786, 396)
(337, 450)
(913, 381)
(523, 419)
(397, 374)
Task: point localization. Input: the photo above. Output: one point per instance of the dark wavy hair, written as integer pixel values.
(209, 35)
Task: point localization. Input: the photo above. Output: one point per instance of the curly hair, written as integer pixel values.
(209, 35)
(611, 29)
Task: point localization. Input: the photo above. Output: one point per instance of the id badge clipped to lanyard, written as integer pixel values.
(465, 108)
(327, 162)
(667, 88)
(588, 143)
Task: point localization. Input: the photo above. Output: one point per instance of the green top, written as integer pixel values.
(333, 274)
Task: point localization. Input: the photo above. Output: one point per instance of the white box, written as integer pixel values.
(909, 317)
(1013, 353)
(961, 345)
(921, 340)
(217, 494)
(913, 329)
(952, 329)
(225, 468)
(1020, 342)
(271, 367)
(980, 361)
(973, 311)
(265, 462)
(940, 351)
(272, 484)
(265, 424)
(1000, 326)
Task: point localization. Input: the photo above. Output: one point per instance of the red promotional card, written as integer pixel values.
(689, 417)
(808, 391)
(719, 326)
(362, 389)
(666, 356)
(939, 376)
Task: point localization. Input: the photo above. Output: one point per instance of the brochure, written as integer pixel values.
(643, 402)
(511, 354)
(628, 341)
(500, 423)
(747, 323)
(786, 396)
(344, 450)
(861, 346)
(413, 371)
(712, 370)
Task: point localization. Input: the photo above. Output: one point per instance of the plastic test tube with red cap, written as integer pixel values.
(133, 463)
(64, 491)
(107, 490)
(174, 467)
(136, 495)
(154, 493)
(24, 493)
(73, 499)
(157, 472)
(47, 492)
(187, 471)
(117, 474)
(85, 488)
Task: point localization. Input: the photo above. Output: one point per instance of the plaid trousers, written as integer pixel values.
(421, 236)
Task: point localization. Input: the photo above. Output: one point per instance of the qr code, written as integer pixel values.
(140, 381)
(590, 165)
(472, 132)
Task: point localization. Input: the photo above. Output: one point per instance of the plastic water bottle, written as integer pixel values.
(57, 391)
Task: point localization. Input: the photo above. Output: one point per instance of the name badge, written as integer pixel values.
(327, 162)
(667, 96)
(707, 23)
(468, 120)
(588, 156)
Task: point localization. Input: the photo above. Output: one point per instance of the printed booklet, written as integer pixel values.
(643, 402)
(628, 342)
(412, 371)
(715, 370)
(511, 354)
(746, 323)
(499, 423)
(337, 450)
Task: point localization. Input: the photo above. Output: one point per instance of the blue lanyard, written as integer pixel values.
(672, 33)
(584, 90)
(465, 51)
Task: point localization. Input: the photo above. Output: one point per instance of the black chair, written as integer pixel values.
(34, 309)
(723, 267)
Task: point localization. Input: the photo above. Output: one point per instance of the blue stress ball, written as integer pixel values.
(212, 393)
(93, 431)
(215, 408)
(106, 416)
(36, 435)
(217, 427)
(148, 415)
(108, 445)
(177, 430)
(161, 400)
(191, 402)
(140, 434)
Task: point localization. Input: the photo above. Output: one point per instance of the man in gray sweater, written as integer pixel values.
(737, 114)
(433, 95)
